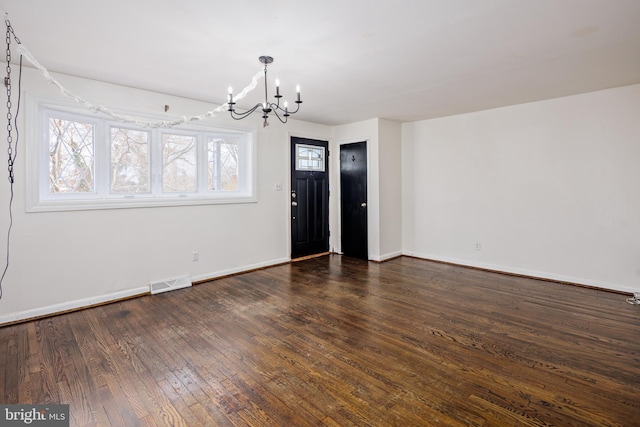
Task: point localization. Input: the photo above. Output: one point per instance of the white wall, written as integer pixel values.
(549, 188)
(390, 182)
(62, 260)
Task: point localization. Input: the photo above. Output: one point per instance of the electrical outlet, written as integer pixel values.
(195, 256)
(478, 246)
(278, 187)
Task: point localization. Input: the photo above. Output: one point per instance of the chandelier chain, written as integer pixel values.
(7, 83)
(12, 128)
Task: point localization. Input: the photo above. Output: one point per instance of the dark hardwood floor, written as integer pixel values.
(337, 341)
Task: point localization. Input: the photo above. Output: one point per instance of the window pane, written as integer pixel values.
(179, 168)
(70, 156)
(309, 158)
(223, 164)
(129, 161)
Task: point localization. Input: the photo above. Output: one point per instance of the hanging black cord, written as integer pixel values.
(12, 146)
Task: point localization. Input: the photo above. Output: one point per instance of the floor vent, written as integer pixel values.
(170, 285)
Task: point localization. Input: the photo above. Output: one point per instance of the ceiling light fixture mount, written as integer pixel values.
(266, 107)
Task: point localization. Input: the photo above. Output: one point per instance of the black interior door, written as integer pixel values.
(353, 199)
(309, 197)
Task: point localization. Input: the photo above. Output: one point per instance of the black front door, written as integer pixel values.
(309, 197)
(353, 199)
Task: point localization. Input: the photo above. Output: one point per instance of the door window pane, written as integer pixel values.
(309, 158)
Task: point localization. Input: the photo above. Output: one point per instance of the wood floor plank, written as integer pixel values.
(10, 365)
(338, 341)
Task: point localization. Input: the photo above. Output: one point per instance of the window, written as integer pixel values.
(78, 161)
(130, 161)
(309, 158)
(179, 168)
(223, 164)
(71, 148)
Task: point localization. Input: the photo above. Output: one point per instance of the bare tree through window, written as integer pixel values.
(71, 156)
(179, 168)
(223, 164)
(129, 161)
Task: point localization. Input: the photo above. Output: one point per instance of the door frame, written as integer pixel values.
(289, 189)
(338, 200)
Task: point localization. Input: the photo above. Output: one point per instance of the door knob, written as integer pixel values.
(363, 204)
(294, 203)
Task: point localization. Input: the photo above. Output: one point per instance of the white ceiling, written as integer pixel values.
(402, 60)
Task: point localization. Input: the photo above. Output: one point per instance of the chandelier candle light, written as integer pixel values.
(266, 107)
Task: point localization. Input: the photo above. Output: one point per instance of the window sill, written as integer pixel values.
(136, 202)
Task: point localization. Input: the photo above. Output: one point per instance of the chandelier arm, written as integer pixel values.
(243, 114)
(276, 106)
(275, 111)
(290, 112)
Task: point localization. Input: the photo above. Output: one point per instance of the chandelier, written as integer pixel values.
(266, 107)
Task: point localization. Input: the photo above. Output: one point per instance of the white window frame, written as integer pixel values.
(40, 199)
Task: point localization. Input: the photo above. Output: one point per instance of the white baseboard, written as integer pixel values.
(385, 257)
(106, 298)
(71, 305)
(237, 270)
(524, 272)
